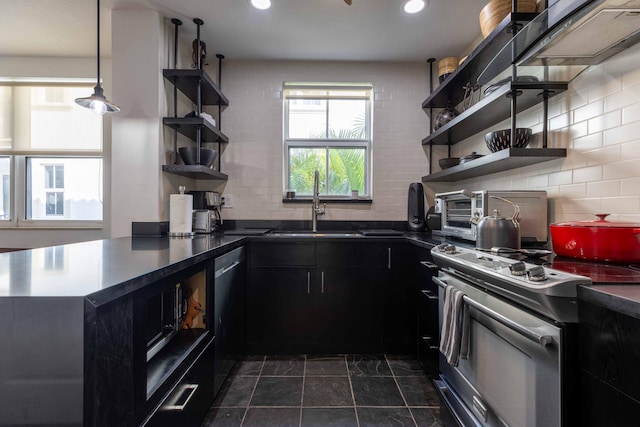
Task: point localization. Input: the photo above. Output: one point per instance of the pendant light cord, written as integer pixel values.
(98, 26)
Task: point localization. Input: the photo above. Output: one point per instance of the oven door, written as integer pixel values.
(455, 209)
(512, 375)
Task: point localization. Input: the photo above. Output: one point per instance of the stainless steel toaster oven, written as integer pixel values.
(458, 208)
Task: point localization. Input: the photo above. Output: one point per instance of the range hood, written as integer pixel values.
(584, 32)
(571, 32)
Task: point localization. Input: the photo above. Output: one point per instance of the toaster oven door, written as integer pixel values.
(456, 209)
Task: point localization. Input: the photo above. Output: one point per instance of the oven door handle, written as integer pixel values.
(463, 192)
(543, 340)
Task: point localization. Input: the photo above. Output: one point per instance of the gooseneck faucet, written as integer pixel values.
(315, 206)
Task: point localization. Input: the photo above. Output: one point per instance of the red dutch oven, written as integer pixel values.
(597, 240)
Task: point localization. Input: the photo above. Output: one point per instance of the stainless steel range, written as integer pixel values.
(517, 329)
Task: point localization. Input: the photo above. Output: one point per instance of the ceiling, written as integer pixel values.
(369, 30)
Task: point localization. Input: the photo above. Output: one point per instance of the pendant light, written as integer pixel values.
(97, 102)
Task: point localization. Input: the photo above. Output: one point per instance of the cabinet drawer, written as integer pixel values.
(282, 253)
(188, 402)
(354, 254)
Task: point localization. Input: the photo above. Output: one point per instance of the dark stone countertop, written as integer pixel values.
(622, 298)
(102, 270)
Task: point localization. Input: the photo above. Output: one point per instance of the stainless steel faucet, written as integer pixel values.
(315, 206)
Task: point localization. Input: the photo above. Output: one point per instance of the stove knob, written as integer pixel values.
(447, 248)
(537, 274)
(518, 268)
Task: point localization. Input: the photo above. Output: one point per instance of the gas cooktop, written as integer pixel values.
(535, 277)
(599, 272)
(548, 291)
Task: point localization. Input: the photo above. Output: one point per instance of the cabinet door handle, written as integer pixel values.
(187, 388)
(224, 270)
(322, 282)
(427, 340)
(429, 294)
(389, 258)
(308, 282)
(429, 264)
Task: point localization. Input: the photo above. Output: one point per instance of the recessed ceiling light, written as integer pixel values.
(261, 4)
(414, 6)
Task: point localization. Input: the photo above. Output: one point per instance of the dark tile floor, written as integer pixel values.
(344, 391)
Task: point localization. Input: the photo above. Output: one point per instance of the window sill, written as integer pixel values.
(329, 201)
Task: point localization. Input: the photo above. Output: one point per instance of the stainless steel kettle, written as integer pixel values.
(497, 231)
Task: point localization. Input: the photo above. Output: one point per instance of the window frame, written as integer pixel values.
(329, 143)
(19, 154)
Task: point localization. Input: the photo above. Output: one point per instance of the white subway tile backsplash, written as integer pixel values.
(600, 156)
(631, 113)
(603, 188)
(630, 186)
(559, 122)
(573, 191)
(560, 178)
(624, 133)
(621, 170)
(588, 142)
(588, 111)
(622, 205)
(538, 181)
(606, 121)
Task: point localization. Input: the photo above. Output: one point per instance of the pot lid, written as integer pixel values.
(601, 222)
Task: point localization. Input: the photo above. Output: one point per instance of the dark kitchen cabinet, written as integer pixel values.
(279, 310)
(425, 292)
(228, 312)
(609, 355)
(278, 296)
(352, 276)
(325, 296)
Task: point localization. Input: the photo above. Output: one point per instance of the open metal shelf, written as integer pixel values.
(493, 109)
(187, 126)
(187, 82)
(509, 158)
(195, 171)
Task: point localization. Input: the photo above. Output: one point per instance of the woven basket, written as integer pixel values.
(496, 10)
(447, 65)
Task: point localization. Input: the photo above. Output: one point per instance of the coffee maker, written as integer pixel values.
(206, 211)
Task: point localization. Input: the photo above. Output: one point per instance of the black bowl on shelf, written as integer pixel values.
(500, 139)
(207, 156)
(448, 162)
(469, 157)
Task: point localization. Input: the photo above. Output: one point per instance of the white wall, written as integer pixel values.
(138, 45)
(254, 123)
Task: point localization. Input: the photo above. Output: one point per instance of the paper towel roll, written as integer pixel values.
(180, 213)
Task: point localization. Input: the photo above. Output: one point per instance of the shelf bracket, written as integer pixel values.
(220, 58)
(430, 61)
(177, 23)
(545, 117)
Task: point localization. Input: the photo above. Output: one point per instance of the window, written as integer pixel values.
(50, 156)
(328, 128)
(54, 184)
